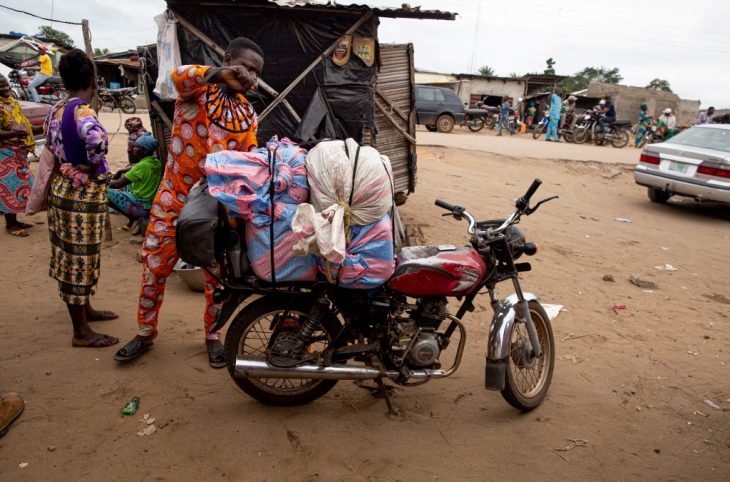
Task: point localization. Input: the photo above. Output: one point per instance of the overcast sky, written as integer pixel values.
(686, 43)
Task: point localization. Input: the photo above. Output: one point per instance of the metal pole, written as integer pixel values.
(219, 50)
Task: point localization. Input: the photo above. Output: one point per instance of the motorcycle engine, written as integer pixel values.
(416, 339)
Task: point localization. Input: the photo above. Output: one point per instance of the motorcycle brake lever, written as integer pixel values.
(531, 210)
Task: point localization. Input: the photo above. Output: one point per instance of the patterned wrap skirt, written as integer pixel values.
(76, 217)
(15, 179)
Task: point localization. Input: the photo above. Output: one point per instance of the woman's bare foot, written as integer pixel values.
(94, 340)
(99, 315)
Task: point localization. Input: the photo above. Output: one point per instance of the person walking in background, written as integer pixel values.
(556, 107)
(504, 110)
(642, 125)
(45, 73)
(143, 177)
(77, 202)
(211, 114)
(706, 117)
(16, 140)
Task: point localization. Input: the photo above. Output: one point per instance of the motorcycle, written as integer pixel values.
(122, 99)
(296, 341)
(617, 133)
(49, 92)
(541, 126)
(652, 134)
(476, 119)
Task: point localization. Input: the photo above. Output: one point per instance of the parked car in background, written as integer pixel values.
(694, 163)
(438, 108)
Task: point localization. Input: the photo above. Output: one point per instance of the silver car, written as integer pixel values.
(694, 163)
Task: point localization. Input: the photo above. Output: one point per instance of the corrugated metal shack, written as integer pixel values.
(303, 92)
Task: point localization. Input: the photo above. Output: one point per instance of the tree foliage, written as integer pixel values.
(486, 70)
(99, 52)
(659, 84)
(580, 80)
(550, 69)
(514, 75)
(58, 36)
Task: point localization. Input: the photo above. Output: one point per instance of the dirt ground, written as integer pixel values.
(629, 382)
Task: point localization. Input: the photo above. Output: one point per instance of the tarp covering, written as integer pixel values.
(333, 101)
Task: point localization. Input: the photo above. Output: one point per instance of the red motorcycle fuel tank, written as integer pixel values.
(426, 271)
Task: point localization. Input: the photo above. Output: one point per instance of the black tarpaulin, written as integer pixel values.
(333, 101)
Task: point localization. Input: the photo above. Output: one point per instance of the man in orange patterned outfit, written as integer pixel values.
(211, 114)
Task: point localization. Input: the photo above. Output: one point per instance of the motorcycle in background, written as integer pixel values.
(122, 99)
(585, 130)
(49, 92)
(541, 126)
(295, 342)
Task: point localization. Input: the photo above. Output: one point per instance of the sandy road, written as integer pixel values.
(630, 382)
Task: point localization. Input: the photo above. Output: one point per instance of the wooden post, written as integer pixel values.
(95, 104)
(221, 53)
(364, 18)
(393, 121)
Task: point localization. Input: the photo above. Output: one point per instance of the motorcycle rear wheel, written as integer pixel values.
(581, 135)
(252, 333)
(527, 380)
(620, 138)
(475, 125)
(126, 104)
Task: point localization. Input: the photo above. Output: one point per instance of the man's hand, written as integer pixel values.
(238, 78)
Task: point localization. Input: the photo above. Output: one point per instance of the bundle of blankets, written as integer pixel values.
(326, 212)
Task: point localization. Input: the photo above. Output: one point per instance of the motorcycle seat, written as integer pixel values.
(621, 123)
(54, 81)
(477, 112)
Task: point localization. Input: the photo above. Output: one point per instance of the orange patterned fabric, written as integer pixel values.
(207, 119)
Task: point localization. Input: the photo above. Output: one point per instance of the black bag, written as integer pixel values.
(197, 227)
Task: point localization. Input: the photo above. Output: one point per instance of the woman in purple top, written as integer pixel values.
(77, 202)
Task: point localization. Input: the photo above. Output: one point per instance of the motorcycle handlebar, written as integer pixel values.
(445, 205)
(531, 190)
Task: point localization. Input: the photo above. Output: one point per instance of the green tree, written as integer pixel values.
(486, 70)
(47, 31)
(550, 70)
(580, 80)
(659, 84)
(514, 75)
(99, 52)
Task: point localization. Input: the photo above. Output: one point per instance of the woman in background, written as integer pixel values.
(16, 140)
(642, 125)
(77, 202)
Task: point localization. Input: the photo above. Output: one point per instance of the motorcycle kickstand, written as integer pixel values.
(384, 392)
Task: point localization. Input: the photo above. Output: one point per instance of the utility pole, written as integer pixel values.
(96, 105)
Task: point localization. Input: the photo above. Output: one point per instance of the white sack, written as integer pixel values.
(320, 227)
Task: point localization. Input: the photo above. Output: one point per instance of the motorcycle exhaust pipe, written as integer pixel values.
(250, 368)
(257, 368)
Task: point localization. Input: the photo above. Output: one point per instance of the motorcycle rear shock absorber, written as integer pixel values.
(316, 316)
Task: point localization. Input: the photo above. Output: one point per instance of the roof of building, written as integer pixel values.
(406, 11)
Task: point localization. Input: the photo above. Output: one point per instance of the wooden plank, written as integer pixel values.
(387, 115)
(311, 66)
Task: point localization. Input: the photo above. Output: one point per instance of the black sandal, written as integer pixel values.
(216, 356)
(133, 349)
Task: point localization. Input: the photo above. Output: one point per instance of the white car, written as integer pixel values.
(694, 163)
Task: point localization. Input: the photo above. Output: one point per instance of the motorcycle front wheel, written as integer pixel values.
(126, 104)
(260, 326)
(538, 130)
(581, 135)
(528, 378)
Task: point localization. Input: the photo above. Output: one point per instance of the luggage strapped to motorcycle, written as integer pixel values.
(328, 265)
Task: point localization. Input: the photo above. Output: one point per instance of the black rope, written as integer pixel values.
(38, 16)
